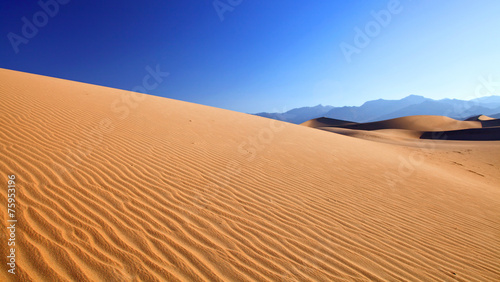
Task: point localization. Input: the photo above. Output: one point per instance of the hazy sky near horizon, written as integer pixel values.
(254, 56)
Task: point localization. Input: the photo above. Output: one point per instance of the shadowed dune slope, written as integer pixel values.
(119, 186)
(417, 123)
(325, 122)
(485, 121)
(490, 123)
(479, 128)
(479, 118)
(475, 134)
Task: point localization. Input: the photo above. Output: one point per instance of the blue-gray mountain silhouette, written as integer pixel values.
(387, 109)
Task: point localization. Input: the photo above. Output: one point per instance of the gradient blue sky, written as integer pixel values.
(264, 55)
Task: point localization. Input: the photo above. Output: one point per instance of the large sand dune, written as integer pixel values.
(117, 186)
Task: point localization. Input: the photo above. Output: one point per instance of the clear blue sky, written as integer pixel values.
(263, 55)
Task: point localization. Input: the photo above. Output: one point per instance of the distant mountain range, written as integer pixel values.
(381, 109)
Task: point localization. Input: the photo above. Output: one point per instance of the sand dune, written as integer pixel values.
(490, 123)
(480, 128)
(119, 186)
(479, 118)
(485, 121)
(417, 123)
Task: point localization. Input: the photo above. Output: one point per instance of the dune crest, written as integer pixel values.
(120, 186)
(479, 118)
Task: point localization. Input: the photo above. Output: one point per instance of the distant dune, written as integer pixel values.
(478, 128)
(480, 118)
(118, 186)
(419, 123)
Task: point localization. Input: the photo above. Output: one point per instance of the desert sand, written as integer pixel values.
(118, 186)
